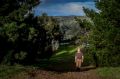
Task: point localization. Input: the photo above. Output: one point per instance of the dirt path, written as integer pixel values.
(60, 66)
(68, 75)
(43, 74)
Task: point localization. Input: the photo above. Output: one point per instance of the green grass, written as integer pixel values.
(63, 59)
(8, 71)
(63, 54)
(109, 72)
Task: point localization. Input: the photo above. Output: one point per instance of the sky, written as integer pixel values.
(63, 7)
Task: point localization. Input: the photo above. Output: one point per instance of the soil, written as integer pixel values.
(83, 73)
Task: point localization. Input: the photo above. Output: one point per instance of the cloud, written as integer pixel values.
(66, 1)
(64, 9)
(71, 7)
(76, 8)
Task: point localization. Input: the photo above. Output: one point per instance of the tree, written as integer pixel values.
(104, 36)
(85, 28)
(24, 38)
(51, 27)
(15, 31)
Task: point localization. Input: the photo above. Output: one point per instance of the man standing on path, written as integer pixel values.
(79, 58)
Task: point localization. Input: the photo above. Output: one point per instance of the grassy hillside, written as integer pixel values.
(61, 66)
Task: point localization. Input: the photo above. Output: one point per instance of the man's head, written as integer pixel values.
(78, 49)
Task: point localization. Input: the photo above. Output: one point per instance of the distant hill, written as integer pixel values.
(69, 26)
(70, 17)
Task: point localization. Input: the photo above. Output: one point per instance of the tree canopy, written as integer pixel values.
(24, 38)
(104, 36)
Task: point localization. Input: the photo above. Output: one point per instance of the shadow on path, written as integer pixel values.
(72, 69)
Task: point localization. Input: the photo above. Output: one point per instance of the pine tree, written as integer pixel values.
(14, 28)
(24, 39)
(104, 37)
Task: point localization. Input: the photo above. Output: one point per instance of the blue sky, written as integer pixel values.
(63, 7)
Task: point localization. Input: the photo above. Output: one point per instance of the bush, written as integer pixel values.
(100, 58)
(88, 57)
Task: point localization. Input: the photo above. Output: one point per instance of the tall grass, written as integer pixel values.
(109, 72)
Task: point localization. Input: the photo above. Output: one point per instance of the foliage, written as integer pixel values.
(8, 71)
(85, 28)
(104, 36)
(24, 38)
(109, 72)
